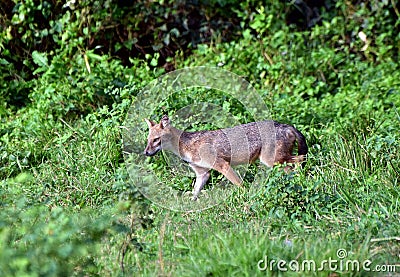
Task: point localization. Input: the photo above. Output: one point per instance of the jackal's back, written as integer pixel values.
(237, 145)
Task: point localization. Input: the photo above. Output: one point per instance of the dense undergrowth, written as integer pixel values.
(67, 204)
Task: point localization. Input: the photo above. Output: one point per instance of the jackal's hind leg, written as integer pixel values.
(225, 168)
(202, 175)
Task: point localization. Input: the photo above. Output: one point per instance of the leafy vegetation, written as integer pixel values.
(69, 73)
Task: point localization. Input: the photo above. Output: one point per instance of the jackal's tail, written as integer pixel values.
(302, 148)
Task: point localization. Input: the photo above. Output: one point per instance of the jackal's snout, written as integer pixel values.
(150, 152)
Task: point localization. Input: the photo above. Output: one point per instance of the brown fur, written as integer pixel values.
(219, 149)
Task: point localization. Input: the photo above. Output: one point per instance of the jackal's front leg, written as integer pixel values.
(202, 175)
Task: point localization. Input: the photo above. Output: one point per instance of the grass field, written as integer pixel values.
(69, 208)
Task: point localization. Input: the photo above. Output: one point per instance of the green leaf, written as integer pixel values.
(93, 56)
(40, 58)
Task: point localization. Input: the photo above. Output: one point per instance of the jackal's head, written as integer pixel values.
(159, 134)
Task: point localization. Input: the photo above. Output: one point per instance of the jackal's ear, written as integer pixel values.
(149, 123)
(165, 121)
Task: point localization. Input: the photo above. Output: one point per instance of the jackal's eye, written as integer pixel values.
(157, 140)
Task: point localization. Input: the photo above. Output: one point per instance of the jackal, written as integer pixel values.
(270, 141)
